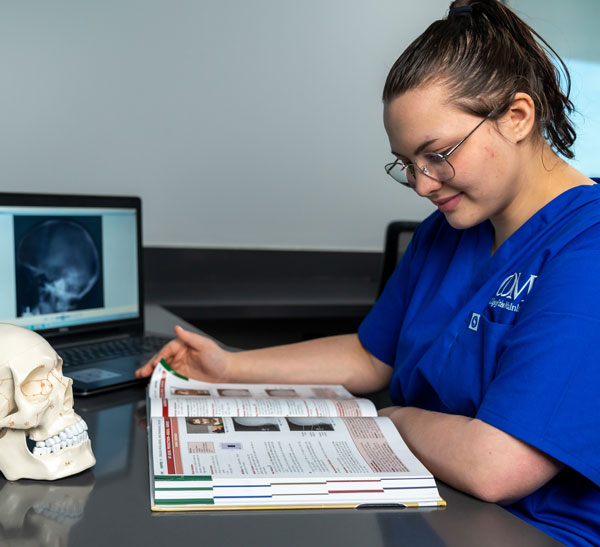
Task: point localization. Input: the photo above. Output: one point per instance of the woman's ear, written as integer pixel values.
(519, 121)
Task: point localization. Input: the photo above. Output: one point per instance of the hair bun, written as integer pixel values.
(460, 11)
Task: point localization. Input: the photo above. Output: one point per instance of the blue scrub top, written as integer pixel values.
(512, 339)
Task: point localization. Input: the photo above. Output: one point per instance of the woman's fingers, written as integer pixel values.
(180, 352)
(166, 353)
(145, 370)
(192, 339)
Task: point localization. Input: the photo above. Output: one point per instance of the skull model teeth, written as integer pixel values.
(36, 400)
(70, 436)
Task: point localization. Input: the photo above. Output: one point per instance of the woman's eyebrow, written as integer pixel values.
(419, 149)
(424, 145)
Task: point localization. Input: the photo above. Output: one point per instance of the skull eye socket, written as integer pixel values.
(37, 385)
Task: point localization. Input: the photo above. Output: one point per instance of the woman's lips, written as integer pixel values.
(448, 204)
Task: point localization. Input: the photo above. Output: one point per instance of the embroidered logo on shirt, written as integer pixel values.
(512, 292)
(474, 323)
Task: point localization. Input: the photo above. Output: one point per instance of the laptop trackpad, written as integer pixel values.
(96, 376)
(93, 375)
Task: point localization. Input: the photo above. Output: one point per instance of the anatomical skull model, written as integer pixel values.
(36, 401)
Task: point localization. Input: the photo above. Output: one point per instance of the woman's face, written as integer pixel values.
(487, 166)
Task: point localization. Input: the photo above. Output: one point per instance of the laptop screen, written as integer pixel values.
(67, 263)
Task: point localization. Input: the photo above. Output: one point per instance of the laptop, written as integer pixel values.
(71, 269)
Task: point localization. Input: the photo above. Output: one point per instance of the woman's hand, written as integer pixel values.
(192, 355)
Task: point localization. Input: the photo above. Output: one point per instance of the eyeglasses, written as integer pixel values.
(434, 166)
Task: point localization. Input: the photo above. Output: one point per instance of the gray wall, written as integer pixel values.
(571, 28)
(241, 124)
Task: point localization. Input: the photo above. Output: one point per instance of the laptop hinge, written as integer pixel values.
(89, 337)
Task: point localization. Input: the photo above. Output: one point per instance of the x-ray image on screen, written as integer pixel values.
(58, 263)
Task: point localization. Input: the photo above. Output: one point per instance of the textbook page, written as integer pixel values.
(171, 394)
(274, 461)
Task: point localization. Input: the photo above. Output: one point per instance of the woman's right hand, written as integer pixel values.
(192, 355)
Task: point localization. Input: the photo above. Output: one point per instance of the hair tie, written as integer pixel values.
(460, 11)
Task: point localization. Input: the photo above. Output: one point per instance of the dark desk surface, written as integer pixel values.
(110, 504)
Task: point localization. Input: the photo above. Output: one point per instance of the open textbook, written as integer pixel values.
(251, 446)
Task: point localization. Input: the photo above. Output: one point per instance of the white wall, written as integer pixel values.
(242, 124)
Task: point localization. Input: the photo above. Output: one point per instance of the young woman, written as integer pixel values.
(487, 333)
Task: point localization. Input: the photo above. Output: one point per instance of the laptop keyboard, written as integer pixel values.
(142, 346)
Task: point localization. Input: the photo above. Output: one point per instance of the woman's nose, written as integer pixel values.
(425, 185)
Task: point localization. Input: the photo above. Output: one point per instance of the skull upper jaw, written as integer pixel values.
(17, 462)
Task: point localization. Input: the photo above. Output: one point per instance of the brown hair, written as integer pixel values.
(485, 54)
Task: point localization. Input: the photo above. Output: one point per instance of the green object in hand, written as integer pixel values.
(166, 365)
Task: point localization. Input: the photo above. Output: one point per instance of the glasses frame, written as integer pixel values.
(444, 157)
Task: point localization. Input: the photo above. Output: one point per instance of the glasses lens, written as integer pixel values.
(437, 167)
(400, 173)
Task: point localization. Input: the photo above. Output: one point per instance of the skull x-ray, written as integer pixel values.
(59, 264)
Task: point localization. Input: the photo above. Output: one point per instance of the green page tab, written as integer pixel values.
(166, 365)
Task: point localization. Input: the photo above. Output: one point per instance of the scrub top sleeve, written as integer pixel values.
(547, 382)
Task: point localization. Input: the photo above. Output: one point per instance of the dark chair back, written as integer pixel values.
(397, 237)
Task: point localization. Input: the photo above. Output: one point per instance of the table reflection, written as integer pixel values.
(40, 513)
(110, 430)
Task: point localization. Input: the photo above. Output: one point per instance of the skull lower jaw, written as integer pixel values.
(17, 462)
